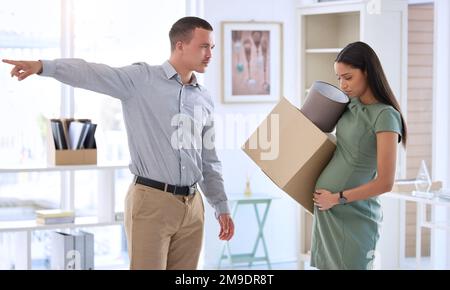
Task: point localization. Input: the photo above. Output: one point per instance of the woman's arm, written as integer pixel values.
(386, 162)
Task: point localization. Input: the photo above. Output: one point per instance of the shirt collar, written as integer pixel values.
(170, 72)
(353, 102)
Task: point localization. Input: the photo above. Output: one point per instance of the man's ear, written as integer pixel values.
(179, 45)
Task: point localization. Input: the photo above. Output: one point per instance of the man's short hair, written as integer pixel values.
(183, 29)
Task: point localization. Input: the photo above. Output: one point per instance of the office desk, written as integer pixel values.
(238, 201)
(421, 219)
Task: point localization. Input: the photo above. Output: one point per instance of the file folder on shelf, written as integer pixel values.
(82, 154)
(72, 251)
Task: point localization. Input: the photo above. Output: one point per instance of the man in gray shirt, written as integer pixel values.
(168, 117)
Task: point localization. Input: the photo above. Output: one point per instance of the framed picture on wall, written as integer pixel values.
(252, 62)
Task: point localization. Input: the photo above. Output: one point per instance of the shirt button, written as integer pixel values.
(183, 167)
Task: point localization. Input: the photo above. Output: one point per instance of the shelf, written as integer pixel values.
(44, 168)
(106, 216)
(29, 225)
(319, 66)
(323, 50)
(436, 200)
(436, 225)
(326, 4)
(331, 30)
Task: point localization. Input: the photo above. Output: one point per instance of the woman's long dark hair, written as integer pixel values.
(361, 56)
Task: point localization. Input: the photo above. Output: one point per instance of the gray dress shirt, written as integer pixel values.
(169, 124)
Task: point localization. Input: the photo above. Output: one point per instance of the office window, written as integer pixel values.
(24, 108)
(26, 105)
(115, 32)
(125, 32)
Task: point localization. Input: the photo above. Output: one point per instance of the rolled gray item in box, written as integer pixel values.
(324, 105)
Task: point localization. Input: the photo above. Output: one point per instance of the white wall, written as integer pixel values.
(281, 227)
(441, 158)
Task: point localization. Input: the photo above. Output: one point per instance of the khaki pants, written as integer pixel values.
(164, 231)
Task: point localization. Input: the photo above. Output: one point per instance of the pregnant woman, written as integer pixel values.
(347, 213)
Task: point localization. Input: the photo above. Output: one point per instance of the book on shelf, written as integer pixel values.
(88, 250)
(58, 135)
(55, 220)
(54, 213)
(77, 134)
(73, 134)
(62, 249)
(89, 143)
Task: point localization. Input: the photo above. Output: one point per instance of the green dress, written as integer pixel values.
(345, 236)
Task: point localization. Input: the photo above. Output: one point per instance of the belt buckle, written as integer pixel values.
(192, 189)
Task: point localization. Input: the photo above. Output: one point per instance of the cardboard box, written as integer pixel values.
(68, 157)
(409, 185)
(297, 153)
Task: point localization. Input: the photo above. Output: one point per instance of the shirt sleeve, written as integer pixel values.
(389, 120)
(116, 82)
(212, 184)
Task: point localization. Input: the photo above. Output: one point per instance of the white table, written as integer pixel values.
(421, 219)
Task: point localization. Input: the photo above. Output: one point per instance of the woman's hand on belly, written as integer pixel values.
(325, 199)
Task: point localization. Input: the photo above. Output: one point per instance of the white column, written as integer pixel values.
(67, 201)
(67, 100)
(195, 8)
(441, 120)
(106, 195)
(441, 128)
(67, 48)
